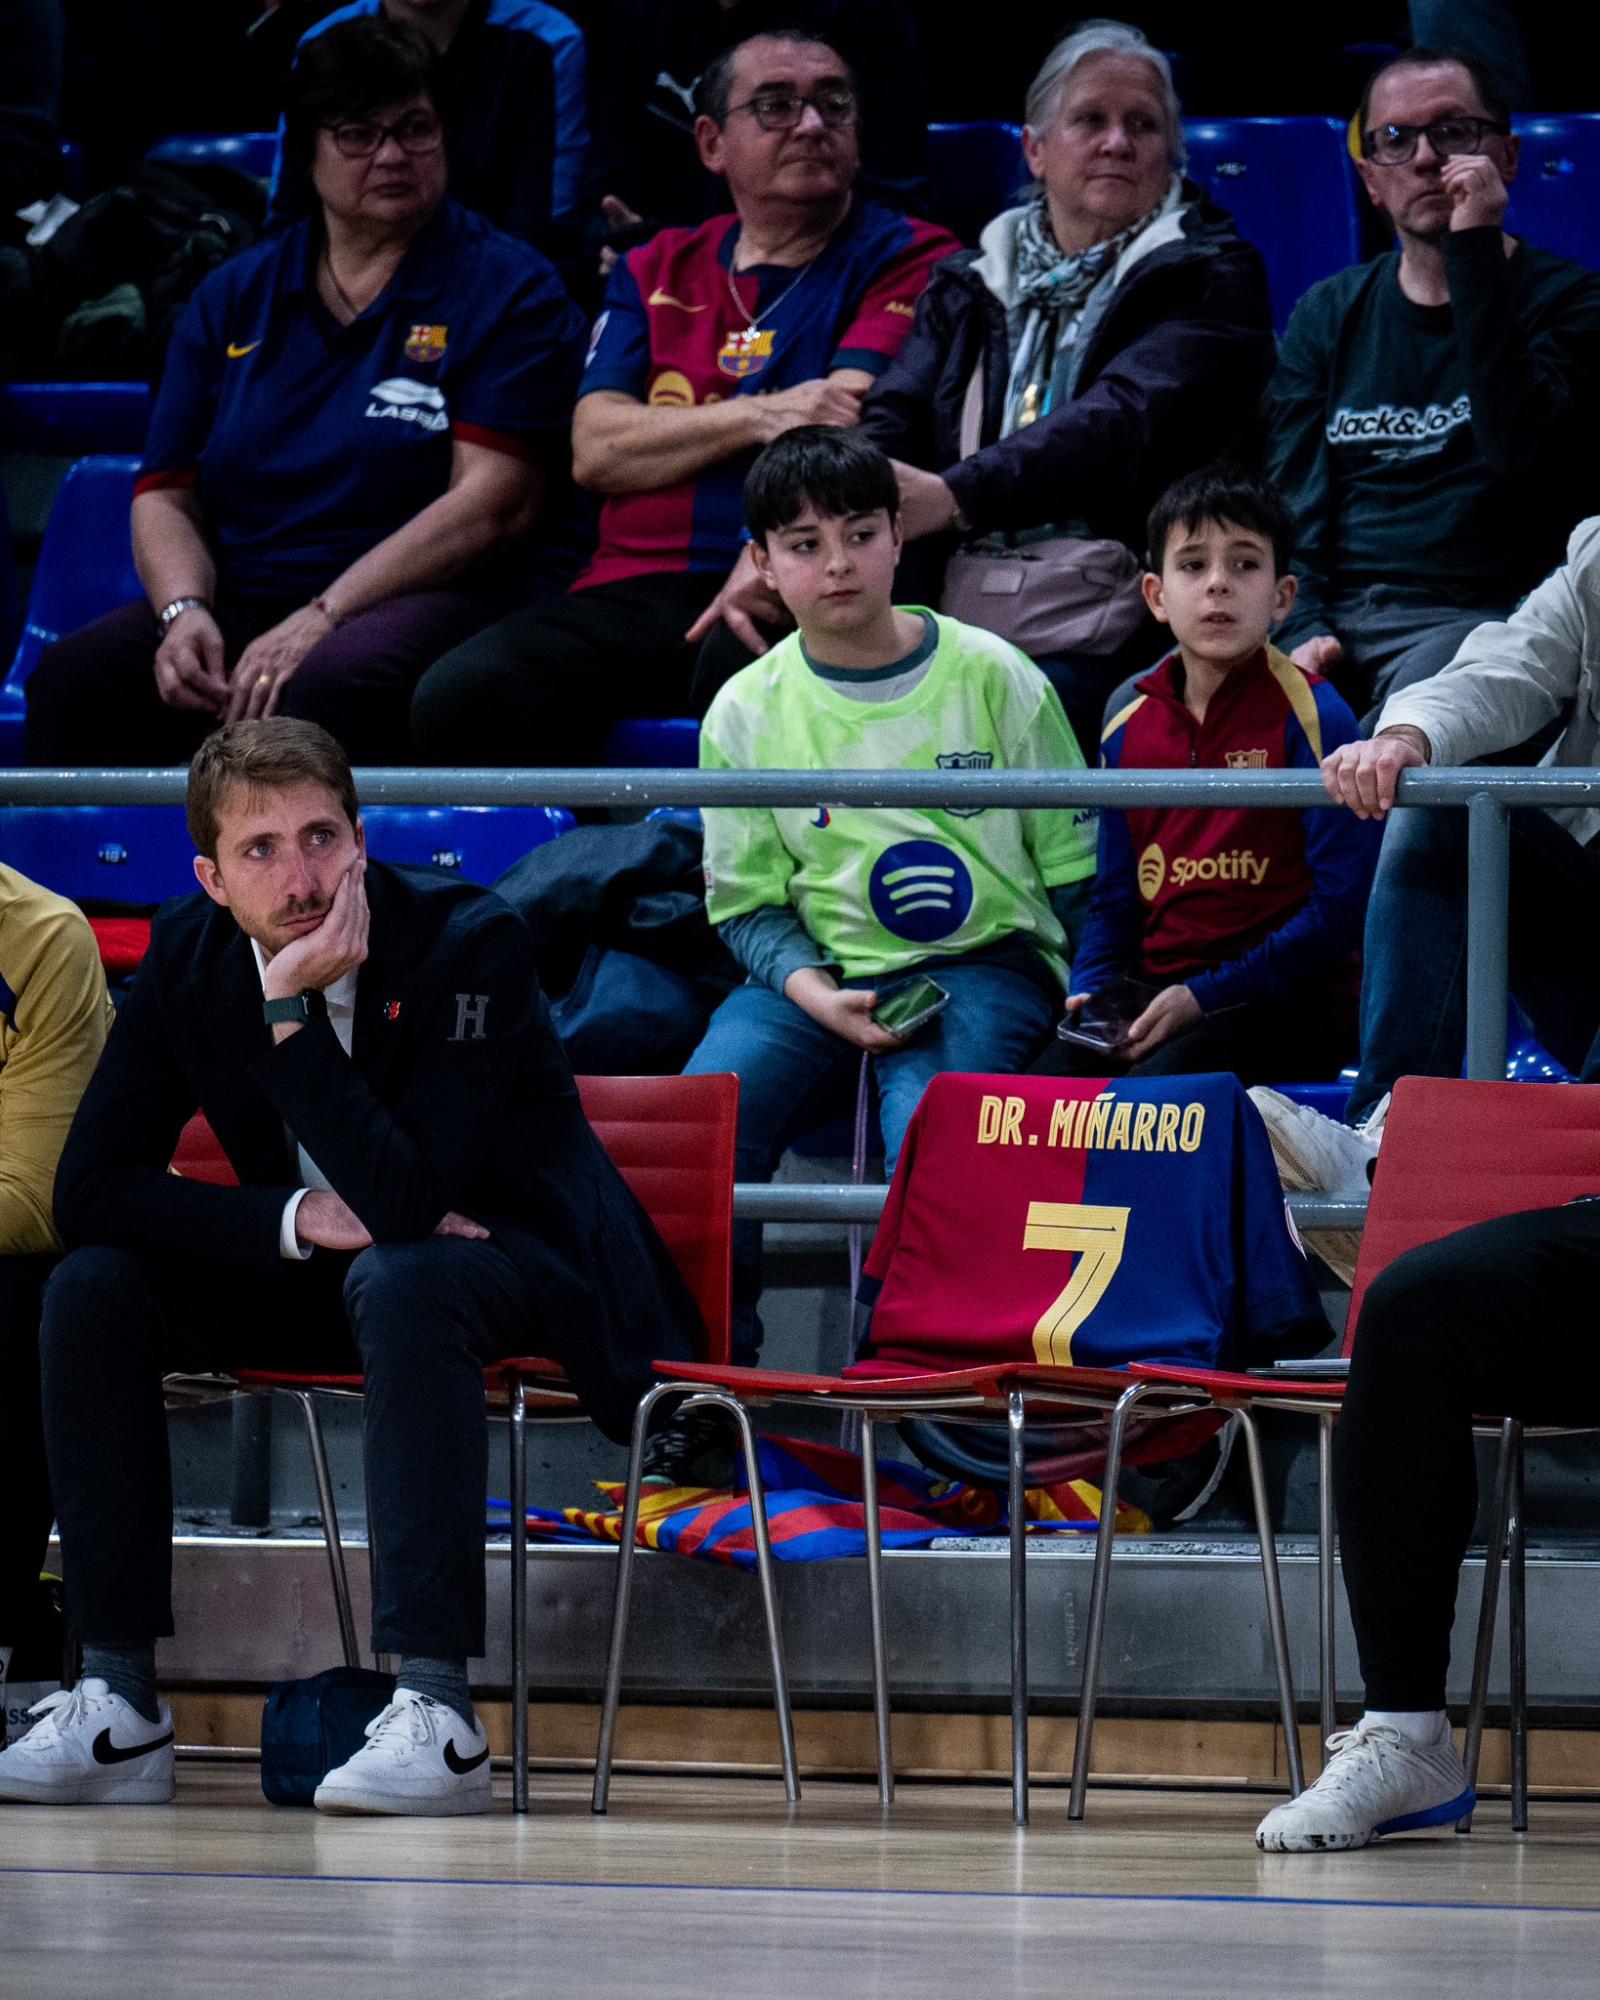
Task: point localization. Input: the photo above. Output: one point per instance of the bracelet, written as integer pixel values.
(169, 613)
(321, 604)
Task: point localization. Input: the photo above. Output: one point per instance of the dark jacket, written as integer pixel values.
(1173, 372)
(428, 1114)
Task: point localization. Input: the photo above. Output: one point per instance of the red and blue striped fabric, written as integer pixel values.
(814, 1510)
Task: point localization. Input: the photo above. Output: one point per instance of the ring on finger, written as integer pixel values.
(263, 680)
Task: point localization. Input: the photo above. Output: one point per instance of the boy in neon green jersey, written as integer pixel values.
(830, 911)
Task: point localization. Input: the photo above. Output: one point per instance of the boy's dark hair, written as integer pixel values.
(267, 754)
(351, 71)
(1222, 493)
(713, 88)
(838, 472)
(1491, 92)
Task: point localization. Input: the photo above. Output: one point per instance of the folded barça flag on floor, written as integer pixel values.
(814, 1510)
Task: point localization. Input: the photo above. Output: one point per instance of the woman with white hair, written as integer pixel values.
(1109, 334)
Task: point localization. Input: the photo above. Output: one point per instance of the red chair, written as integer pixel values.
(1454, 1154)
(672, 1139)
(1012, 1393)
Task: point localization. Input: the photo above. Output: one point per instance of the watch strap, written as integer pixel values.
(170, 612)
(295, 1010)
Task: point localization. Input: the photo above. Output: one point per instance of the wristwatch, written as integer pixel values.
(176, 609)
(296, 1010)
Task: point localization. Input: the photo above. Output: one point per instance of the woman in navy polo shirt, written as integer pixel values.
(352, 432)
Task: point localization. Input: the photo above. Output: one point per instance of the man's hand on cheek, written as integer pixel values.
(335, 947)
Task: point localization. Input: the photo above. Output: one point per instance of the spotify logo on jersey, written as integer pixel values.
(920, 891)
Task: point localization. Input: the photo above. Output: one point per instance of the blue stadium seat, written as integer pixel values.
(1328, 1098)
(85, 568)
(246, 152)
(975, 171)
(74, 181)
(1555, 200)
(1290, 185)
(72, 419)
(143, 854)
(672, 744)
(8, 582)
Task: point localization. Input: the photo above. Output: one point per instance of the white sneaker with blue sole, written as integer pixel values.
(420, 1758)
(89, 1747)
(1376, 1782)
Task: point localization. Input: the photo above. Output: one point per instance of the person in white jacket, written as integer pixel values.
(1510, 680)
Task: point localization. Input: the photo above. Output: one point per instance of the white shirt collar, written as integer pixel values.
(342, 993)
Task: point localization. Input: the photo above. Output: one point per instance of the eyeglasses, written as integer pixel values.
(360, 138)
(782, 110)
(1396, 145)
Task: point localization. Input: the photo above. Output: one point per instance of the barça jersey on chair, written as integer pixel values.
(674, 335)
(1084, 1223)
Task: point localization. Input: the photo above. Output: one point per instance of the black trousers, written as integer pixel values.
(1496, 1319)
(92, 698)
(544, 686)
(1304, 1038)
(419, 1320)
(25, 1505)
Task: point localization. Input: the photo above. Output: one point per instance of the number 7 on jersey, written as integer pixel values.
(1098, 1237)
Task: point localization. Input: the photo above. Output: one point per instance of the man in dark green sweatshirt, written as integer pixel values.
(1436, 412)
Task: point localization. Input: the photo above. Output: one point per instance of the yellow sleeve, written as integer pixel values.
(61, 1021)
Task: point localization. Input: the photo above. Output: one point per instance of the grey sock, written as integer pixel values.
(439, 1680)
(127, 1670)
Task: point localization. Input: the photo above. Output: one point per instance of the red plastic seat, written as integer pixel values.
(1454, 1154)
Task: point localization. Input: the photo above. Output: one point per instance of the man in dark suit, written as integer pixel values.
(419, 1195)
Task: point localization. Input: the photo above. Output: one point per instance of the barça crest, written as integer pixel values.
(426, 343)
(965, 760)
(745, 353)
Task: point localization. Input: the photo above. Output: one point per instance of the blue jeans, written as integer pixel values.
(793, 1075)
(1413, 986)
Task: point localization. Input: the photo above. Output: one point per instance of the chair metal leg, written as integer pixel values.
(1327, 1588)
(1016, 1414)
(1272, 1583)
(519, 1597)
(622, 1597)
(1517, 1605)
(330, 1526)
(880, 1648)
(769, 1589)
(1489, 1602)
(1089, 1692)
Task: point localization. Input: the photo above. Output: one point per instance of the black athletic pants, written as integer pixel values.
(544, 686)
(25, 1508)
(1498, 1320)
(419, 1320)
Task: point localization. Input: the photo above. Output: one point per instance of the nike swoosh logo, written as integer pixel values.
(107, 1752)
(661, 298)
(237, 353)
(460, 1765)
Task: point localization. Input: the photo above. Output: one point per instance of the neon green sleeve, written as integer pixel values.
(746, 862)
(1061, 839)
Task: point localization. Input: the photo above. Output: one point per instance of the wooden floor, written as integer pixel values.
(714, 1887)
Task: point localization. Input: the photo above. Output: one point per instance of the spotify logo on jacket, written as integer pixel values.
(920, 891)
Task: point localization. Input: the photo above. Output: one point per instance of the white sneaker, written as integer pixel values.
(419, 1757)
(1376, 1782)
(90, 1747)
(1318, 1155)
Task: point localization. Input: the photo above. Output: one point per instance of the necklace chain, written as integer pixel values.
(747, 313)
(345, 299)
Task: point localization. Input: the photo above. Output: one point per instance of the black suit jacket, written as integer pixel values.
(456, 1096)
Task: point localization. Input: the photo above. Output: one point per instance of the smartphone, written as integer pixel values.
(1103, 1021)
(911, 1006)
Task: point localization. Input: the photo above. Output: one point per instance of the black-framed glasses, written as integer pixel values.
(782, 110)
(1396, 145)
(359, 138)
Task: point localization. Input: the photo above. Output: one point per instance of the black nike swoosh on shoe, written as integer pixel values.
(107, 1752)
(462, 1765)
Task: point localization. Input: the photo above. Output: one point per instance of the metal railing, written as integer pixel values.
(1487, 793)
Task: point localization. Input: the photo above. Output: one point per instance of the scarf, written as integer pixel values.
(1052, 290)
